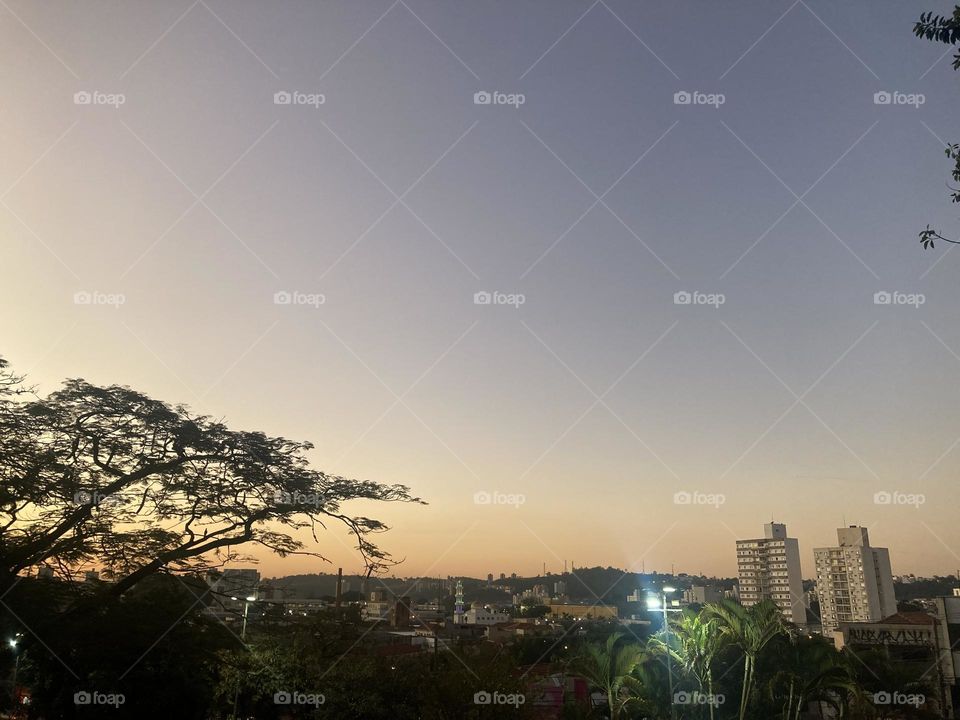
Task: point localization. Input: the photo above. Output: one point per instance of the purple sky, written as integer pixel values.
(782, 197)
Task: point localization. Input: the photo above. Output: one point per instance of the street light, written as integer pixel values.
(246, 612)
(13, 642)
(658, 603)
(243, 638)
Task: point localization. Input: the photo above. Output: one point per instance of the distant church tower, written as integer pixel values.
(458, 607)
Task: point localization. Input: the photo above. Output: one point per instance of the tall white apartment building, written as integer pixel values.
(854, 580)
(768, 568)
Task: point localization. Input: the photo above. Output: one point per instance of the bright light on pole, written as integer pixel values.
(666, 631)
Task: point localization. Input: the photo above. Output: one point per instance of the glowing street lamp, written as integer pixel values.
(13, 643)
(655, 602)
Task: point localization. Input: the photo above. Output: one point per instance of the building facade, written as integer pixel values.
(768, 568)
(854, 580)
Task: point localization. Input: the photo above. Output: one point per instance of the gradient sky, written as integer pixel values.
(399, 198)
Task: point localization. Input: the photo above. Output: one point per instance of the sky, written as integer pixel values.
(596, 280)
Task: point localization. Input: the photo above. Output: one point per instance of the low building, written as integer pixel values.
(484, 616)
(702, 595)
(583, 611)
(921, 644)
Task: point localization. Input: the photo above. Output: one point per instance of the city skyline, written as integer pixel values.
(299, 220)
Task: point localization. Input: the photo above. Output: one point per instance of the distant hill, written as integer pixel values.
(611, 585)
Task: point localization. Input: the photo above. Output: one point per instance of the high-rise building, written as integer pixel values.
(768, 568)
(854, 580)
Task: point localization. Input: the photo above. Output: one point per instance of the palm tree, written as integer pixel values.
(810, 669)
(607, 666)
(696, 640)
(750, 628)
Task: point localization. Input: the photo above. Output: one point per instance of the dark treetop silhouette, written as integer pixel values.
(111, 477)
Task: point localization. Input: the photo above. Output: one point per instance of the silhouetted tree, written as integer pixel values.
(111, 477)
(942, 29)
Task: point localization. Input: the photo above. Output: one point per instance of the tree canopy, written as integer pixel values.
(110, 478)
